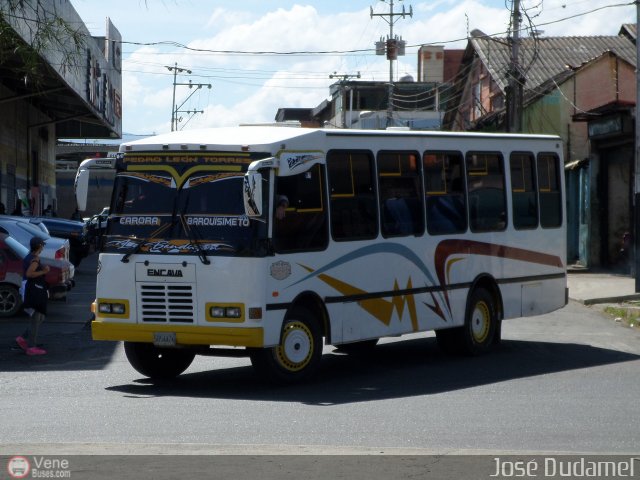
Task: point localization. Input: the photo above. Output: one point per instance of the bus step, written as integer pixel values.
(224, 352)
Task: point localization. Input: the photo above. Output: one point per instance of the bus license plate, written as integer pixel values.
(164, 339)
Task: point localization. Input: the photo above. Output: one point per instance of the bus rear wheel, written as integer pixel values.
(158, 363)
(298, 355)
(480, 330)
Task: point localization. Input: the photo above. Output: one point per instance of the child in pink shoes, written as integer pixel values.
(35, 296)
(29, 350)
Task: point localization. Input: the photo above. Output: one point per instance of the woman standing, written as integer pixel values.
(35, 296)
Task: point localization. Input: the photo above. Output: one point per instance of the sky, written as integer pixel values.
(249, 82)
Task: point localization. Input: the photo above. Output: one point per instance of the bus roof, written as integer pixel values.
(234, 138)
(225, 138)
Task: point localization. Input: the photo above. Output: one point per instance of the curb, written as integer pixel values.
(595, 301)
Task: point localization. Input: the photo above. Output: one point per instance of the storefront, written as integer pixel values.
(608, 185)
(44, 102)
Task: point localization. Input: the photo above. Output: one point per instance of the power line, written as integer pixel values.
(175, 109)
(352, 51)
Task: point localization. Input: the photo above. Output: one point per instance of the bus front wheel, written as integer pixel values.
(298, 355)
(157, 363)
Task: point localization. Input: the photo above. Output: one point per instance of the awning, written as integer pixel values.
(576, 164)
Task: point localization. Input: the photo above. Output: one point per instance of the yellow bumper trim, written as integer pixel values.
(185, 334)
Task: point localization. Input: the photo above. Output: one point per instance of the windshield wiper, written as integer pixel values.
(134, 250)
(202, 255)
(144, 241)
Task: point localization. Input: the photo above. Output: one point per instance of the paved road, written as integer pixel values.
(563, 382)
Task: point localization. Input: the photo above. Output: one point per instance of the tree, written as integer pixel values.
(31, 28)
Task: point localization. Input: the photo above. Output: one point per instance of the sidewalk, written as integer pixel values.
(75, 310)
(597, 288)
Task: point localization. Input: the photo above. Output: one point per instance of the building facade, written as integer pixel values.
(68, 88)
(414, 103)
(583, 90)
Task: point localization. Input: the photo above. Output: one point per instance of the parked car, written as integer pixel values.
(12, 253)
(74, 231)
(22, 229)
(31, 220)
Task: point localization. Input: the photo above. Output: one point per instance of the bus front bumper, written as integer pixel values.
(185, 334)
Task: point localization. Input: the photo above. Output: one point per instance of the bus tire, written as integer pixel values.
(357, 348)
(481, 329)
(481, 323)
(158, 363)
(298, 355)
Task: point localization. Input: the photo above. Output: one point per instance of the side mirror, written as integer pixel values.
(81, 187)
(252, 194)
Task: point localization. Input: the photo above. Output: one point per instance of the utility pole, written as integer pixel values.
(636, 196)
(343, 80)
(516, 79)
(394, 47)
(175, 109)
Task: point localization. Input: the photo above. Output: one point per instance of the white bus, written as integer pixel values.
(272, 242)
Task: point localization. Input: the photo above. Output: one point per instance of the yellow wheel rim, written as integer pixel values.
(480, 322)
(296, 349)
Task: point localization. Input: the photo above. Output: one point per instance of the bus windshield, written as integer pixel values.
(151, 212)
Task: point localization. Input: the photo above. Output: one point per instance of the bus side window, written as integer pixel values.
(354, 213)
(303, 225)
(549, 190)
(444, 189)
(486, 190)
(523, 191)
(401, 207)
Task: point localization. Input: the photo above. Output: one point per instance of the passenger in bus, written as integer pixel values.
(399, 220)
(445, 214)
(281, 207)
(136, 204)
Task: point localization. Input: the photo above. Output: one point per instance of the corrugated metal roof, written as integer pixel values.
(630, 30)
(545, 58)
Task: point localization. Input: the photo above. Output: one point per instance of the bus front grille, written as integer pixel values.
(160, 302)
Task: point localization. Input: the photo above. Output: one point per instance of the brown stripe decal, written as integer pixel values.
(447, 248)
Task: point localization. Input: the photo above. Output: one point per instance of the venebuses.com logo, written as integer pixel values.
(18, 467)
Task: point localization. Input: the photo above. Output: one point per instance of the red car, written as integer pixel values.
(12, 253)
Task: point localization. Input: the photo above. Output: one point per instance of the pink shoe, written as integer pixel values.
(36, 351)
(22, 343)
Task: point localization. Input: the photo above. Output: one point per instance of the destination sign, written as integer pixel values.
(218, 159)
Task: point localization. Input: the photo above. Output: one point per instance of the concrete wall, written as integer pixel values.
(23, 148)
(606, 80)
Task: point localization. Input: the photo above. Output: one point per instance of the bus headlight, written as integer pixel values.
(104, 308)
(225, 312)
(118, 308)
(112, 308)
